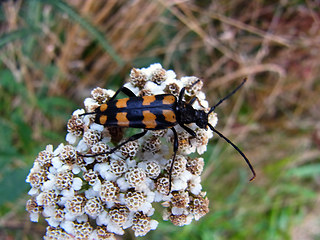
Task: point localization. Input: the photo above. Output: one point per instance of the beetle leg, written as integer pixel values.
(125, 90)
(190, 131)
(183, 91)
(130, 139)
(128, 92)
(181, 95)
(193, 100)
(175, 150)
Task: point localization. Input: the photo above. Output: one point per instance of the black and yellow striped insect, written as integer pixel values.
(157, 112)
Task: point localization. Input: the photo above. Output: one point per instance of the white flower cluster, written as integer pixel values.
(98, 197)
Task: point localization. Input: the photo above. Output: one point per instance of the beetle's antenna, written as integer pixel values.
(236, 148)
(229, 95)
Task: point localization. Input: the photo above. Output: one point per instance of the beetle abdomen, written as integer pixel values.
(148, 112)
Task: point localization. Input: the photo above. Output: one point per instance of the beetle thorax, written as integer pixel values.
(187, 114)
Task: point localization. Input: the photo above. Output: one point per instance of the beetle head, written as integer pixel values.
(201, 119)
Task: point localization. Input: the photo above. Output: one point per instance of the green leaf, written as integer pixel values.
(18, 34)
(10, 86)
(6, 133)
(12, 185)
(7, 80)
(53, 106)
(310, 170)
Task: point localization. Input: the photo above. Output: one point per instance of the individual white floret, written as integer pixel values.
(76, 169)
(58, 150)
(123, 184)
(178, 184)
(82, 219)
(91, 193)
(77, 183)
(154, 88)
(33, 191)
(153, 224)
(68, 226)
(213, 119)
(103, 218)
(56, 162)
(67, 194)
(96, 127)
(71, 138)
(128, 223)
(48, 211)
(114, 228)
(171, 75)
(87, 119)
(97, 185)
(134, 89)
(82, 146)
(145, 208)
(195, 185)
(34, 217)
(177, 211)
(78, 112)
(48, 185)
(148, 71)
(90, 104)
(52, 222)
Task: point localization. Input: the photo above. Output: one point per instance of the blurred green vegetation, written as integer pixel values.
(53, 53)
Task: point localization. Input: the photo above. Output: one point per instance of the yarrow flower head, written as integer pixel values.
(86, 194)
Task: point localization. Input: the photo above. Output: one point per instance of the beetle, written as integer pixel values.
(155, 112)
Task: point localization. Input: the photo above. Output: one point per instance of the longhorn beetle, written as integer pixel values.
(157, 112)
